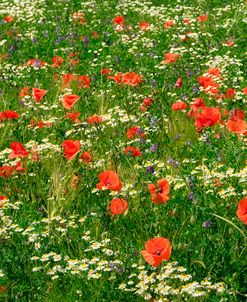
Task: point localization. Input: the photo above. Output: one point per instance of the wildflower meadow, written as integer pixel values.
(123, 160)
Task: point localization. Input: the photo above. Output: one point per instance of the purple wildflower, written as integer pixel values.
(154, 148)
(86, 41)
(150, 170)
(207, 223)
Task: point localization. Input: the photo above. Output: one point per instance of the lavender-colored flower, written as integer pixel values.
(190, 182)
(12, 48)
(35, 41)
(195, 89)
(189, 73)
(153, 83)
(173, 162)
(150, 170)
(37, 63)
(121, 269)
(191, 196)
(153, 121)
(86, 41)
(21, 103)
(141, 140)
(154, 148)
(59, 39)
(139, 131)
(112, 265)
(207, 223)
(41, 210)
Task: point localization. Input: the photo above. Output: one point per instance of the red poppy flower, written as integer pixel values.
(9, 115)
(135, 152)
(160, 193)
(169, 23)
(69, 101)
(242, 210)
(208, 117)
(95, 119)
(157, 250)
(214, 72)
(118, 20)
(19, 167)
(83, 81)
(179, 106)
(144, 25)
(2, 197)
(74, 182)
(40, 124)
(71, 148)
(147, 102)
(134, 132)
(105, 71)
(67, 79)
(186, 21)
(95, 35)
(18, 150)
(109, 180)
(8, 19)
(24, 91)
(245, 90)
(73, 54)
(35, 153)
(229, 43)
(196, 107)
(38, 94)
(6, 171)
(116, 78)
(179, 83)
(131, 79)
(57, 61)
(73, 62)
(86, 157)
(209, 85)
(237, 114)
(230, 93)
(143, 108)
(238, 126)
(170, 58)
(118, 206)
(78, 16)
(202, 18)
(73, 116)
